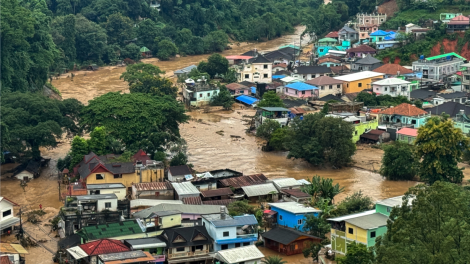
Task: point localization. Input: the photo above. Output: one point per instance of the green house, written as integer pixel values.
(407, 135)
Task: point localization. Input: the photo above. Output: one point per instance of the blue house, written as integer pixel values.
(293, 214)
(378, 35)
(323, 49)
(231, 232)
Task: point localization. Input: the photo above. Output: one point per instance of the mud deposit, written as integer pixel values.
(209, 150)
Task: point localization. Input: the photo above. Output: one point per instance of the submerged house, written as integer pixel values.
(288, 241)
(245, 254)
(279, 114)
(362, 124)
(199, 93)
(258, 192)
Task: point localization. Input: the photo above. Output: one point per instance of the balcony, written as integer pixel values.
(238, 239)
(188, 254)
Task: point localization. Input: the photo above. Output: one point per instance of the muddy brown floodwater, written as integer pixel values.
(87, 85)
(210, 150)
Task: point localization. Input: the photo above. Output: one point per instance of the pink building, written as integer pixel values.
(301, 90)
(237, 88)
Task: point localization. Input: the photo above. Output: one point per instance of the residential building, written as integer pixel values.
(404, 115)
(356, 82)
(225, 173)
(278, 57)
(393, 87)
(30, 170)
(310, 72)
(288, 241)
(7, 218)
(295, 195)
(97, 202)
(286, 183)
(360, 51)
(466, 77)
(378, 35)
(458, 24)
(184, 71)
(327, 85)
(385, 44)
(184, 190)
(365, 30)
(392, 70)
(259, 70)
(90, 251)
(199, 93)
(450, 108)
(117, 231)
(375, 136)
(153, 190)
(409, 28)
(419, 33)
(462, 121)
(347, 33)
(329, 62)
(438, 67)
(179, 173)
(424, 95)
(458, 97)
(407, 135)
(217, 194)
(370, 19)
(152, 245)
(14, 253)
(368, 63)
(165, 219)
(208, 181)
(188, 212)
(187, 244)
(130, 257)
(324, 45)
(301, 90)
(279, 114)
(265, 191)
(446, 17)
(246, 255)
(237, 88)
(333, 35)
(292, 214)
(239, 182)
(231, 232)
(361, 124)
(117, 189)
(94, 169)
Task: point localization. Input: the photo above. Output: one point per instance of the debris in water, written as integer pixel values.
(221, 132)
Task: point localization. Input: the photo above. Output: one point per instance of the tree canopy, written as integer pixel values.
(354, 203)
(271, 99)
(139, 120)
(215, 65)
(223, 98)
(398, 162)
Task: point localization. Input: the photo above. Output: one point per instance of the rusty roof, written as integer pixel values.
(392, 69)
(225, 202)
(238, 182)
(192, 200)
(5, 260)
(12, 248)
(404, 110)
(153, 186)
(361, 48)
(297, 110)
(295, 192)
(236, 86)
(216, 192)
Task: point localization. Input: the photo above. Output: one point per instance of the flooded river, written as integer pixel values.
(210, 150)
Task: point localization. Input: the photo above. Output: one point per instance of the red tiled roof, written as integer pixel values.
(404, 110)
(338, 69)
(392, 69)
(238, 182)
(192, 200)
(408, 132)
(216, 192)
(297, 110)
(13, 203)
(153, 186)
(220, 202)
(323, 80)
(141, 155)
(361, 48)
(332, 34)
(322, 60)
(104, 246)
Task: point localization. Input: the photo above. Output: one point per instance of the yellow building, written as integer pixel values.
(356, 82)
(95, 169)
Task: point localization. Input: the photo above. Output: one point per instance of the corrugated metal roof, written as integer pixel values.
(184, 208)
(152, 202)
(260, 189)
(96, 197)
(192, 200)
(369, 221)
(296, 193)
(238, 182)
(12, 248)
(239, 254)
(293, 207)
(275, 109)
(77, 252)
(285, 182)
(216, 192)
(242, 220)
(153, 186)
(358, 76)
(185, 188)
(394, 201)
(105, 186)
(246, 99)
(304, 182)
(346, 217)
(225, 202)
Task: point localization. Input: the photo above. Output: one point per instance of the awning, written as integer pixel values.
(150, 245)
(9, 222)
(246, 99)
(77, 252)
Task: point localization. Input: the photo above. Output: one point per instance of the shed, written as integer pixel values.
(185, 189)
(217, 194)
(185, 70)
(248, 100)
(179, 173)
(31, 170)
(246, 254)
(146, 53)
(153, 245)
(407, 135)
(286, 183)
(239, 182)
(255, 192)
(288, 241)
(375, 136)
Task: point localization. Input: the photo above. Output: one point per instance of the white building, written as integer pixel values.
(199, 93)
(7, 218)
(392, 86)
(246, 254)
(185, 190)
(98, 202)
(108, 188)
(258, 70)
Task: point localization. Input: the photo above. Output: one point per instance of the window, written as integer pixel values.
(246, 244)
(362, 35)
(355, 133)
(200, 95)
(382, 20)
(367, 20)
(247, 76)
(386, 89)
(321, 50)
(6, 213)
(265, 66)
(299, 222)
(265, 75)
(322, 88)
(372, 234)
(331, 87)
(389, 209)
(224, 247)
(413, 121)
(209, 94)
(338, 86)
(350, 230)
(99, 176)
(226, 234)
(237, 244)
(467, 77)
(180, 249)
(377, 89)
(280, 217)
(303, 92)
(209, 186)
(117, 176)
(200, 247)
(295, 92)
(359, 85)
(107, 205)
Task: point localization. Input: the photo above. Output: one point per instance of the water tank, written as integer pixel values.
(421, 57)
(448, 58)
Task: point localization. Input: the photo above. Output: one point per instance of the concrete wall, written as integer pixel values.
(330, 89)
(385, 210)
(358, 234)
(170, 221)
(5, 206)
(23, 174)
(299, 94)
(378, 232)
(357, 86)
(119, 192)
(127, 179)
(101, 204)
(361, 128)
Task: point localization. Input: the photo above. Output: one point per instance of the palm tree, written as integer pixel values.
(322, 188)
(273, 260)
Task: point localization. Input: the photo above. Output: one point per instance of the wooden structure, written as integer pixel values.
(288, 241)
(351, 107)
